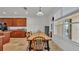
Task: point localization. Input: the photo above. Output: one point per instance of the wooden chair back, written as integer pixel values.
(37, 43)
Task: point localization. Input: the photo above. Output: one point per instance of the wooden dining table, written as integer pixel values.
(39, 34)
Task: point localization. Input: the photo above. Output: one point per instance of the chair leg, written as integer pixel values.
(30, 45)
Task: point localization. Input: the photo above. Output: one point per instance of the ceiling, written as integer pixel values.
(20, 11)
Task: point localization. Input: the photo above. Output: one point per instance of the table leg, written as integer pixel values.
(30, 45)
(48, 45)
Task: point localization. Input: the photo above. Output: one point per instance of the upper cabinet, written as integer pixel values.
(19, 21)
(14, 21)
(9, 21)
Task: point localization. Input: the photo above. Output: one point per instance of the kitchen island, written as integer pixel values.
(4, 38)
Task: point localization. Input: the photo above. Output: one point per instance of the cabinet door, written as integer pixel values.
(9, 21)
(18, 34)
(1, 19)
(1, 46)
(14, 21)
(20, 21)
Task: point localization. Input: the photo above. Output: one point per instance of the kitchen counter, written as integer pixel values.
(1, 45)
(18, 34)
(4, 38)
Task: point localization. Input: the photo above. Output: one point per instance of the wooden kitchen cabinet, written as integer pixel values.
(17, 34)
(1, 19)
(1, 45)
(9, 21)
(6, 37)
(19, 21)
(14, 21)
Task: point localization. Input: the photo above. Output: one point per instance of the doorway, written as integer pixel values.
(47, 30)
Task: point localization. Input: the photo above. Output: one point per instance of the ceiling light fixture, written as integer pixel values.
(26, 10)
(40, 13)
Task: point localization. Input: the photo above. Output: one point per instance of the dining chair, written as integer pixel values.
(38, 43)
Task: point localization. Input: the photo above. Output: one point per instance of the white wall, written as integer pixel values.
(62, 12)
(67, 10)
(65, 44)
(75, 29)
(34, 24)
(37, 23)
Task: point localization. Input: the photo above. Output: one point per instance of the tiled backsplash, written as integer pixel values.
(16, 28)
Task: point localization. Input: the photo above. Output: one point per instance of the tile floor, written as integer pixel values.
(21, 44)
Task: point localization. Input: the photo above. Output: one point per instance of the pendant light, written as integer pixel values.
(40, 13)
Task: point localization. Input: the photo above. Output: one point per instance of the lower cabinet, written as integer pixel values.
(6, 37)
(1, 45)
(17, 34)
